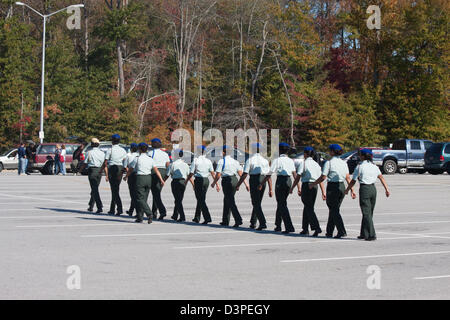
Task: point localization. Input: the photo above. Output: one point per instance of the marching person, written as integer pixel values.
(336, 172)
(201, 168)
(367, 173)
(257, 167)
(132, 177)
(228, 169)
(143, 165)
(162, 162)
(113, 166)
(309, 171)
(284, 168)
(179, 171)
(94, 161)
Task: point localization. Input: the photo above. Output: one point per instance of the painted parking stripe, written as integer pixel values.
(369, 257)
(156, 234)
(432, 277)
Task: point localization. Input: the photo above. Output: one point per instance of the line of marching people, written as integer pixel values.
(147, 171)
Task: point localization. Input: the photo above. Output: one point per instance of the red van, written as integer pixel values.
(45, 155)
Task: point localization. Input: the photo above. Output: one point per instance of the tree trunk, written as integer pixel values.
(120, 69)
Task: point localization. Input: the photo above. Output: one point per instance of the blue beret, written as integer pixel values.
(156, 140)
(115, 137)
(283, 144)
(143, 144)
(308, 149)
(335, 147)
(134, 145)
(366, 151)
(202, 148)
(256, 145)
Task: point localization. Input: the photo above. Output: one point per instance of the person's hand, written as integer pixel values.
(388, 193)
(346, 192)
(125, 178)
(248, 188)
(353, 195)
(291, 190)
(217, 187)
(237, 188)
(299, 192)
(324, 197)
(162, 183)
(106, 178)
(270, 193)
(260, 187)
(212, 185)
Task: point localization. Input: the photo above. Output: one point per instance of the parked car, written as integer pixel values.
(405, 154)
(9, 160)
(299, 158)
(352, 158)
(437, 158)
(104, 146)
(45, 155)
(215, 154)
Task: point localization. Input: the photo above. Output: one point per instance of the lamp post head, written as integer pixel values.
(20, 3)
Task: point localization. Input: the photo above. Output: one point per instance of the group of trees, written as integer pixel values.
(311, 68)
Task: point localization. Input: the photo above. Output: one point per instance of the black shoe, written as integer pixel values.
(138, 220)
(118, 214)
(174, 218)
(371, 239)
(206, 222)
(161, 217)
(130, 213)
(340, 235)
(304, 233)
(224, 224)
(287, 231)
(361, 238)
(149, 221)
(252, 226)
(195, 220)
(90, 209)
(316, 232)
(99, 211)
(329, 235)
(181, 220)
(237, 224)
(277, 229)
(261, 228)
(111, 213)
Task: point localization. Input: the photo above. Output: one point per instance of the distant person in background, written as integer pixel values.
(22, 155)
(57, 159)
(31, 152)
(78, 158)
(367, 173)
(62, 160)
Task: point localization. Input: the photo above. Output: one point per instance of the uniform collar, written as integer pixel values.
(283, 155)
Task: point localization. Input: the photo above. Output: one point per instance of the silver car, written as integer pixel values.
(9, 160)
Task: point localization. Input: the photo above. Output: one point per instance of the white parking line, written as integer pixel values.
(432, 277)
(369, 257)
(34, 198)
(39, 217)
(74, 225)
(401, 223)
(155, 234)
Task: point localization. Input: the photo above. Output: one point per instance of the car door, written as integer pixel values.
(416, 153)
(11, 161)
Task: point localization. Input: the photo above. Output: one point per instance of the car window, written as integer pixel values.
(399, 145)
(415, 145)
(12, 154)
(428, 144)
(47, 149)
(447, 149)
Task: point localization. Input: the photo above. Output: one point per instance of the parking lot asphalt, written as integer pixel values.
(45, 230)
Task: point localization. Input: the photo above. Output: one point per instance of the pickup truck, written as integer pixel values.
(405, 154)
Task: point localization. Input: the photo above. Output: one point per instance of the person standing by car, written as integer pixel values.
(336, 172)
(30, 151)
(162, 162)
(113, 166)
(143, 165)
(201, 168)
(309, 171)
(94, 161)
(367, 173)
(22, 156)
(57, 160)
(132, 177)
(78, 158)
(62, 160)
(284, 168)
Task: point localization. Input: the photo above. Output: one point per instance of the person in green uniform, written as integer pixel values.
(335, 171)
(367, 173)
(162, 162)
(229, 169)
(94, 161)
(284, 168)
(132, 178)
(257, 167)
(179, 171)
(309, 171)
(201, 168)
(114, 169)
(143, 166)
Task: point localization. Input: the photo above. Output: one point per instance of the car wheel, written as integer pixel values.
(448, 167)
(421, 171)
(48, 168)
(436, 171)
(402, 170)
(389, 167)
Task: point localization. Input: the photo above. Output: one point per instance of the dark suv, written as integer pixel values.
(437, 158)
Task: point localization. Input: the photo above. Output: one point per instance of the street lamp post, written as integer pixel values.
(41, 127)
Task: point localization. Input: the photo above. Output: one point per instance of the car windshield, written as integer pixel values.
(6, 153)
(435, 148)
(347, 154)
